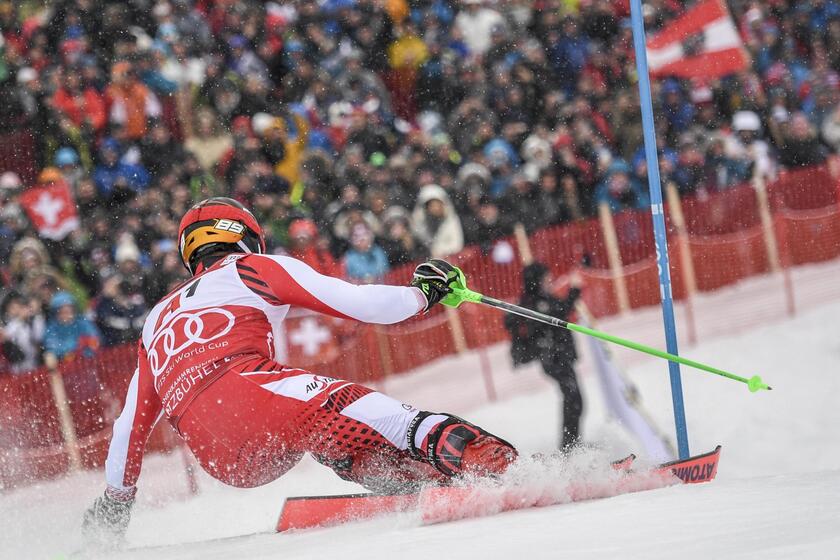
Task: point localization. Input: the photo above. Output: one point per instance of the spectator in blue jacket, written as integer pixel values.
(679, 113)
(115, 171)
(568, 54)
(620, 190)
(365, 261)
(68, 334)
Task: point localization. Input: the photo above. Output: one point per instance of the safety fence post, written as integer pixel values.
(686, 259)
(614, 257)
(786, 262)
(771, 242)
(65, 418)
(772, 246)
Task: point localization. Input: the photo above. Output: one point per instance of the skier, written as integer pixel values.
(553, 347)
(206, 360)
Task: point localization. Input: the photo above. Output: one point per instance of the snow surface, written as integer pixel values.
(777, 494)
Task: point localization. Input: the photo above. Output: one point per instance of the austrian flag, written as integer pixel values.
(702, 43)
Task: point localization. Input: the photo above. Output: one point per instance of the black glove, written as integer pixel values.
(104, 524)
(434, 278)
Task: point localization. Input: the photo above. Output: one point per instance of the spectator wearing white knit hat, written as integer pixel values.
(476, 22)
(746, 144)
(436, 223)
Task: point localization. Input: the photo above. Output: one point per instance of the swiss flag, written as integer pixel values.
(702, 43)
(311, 338)
(51, 209)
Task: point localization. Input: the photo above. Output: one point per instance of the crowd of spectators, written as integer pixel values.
(364, 134)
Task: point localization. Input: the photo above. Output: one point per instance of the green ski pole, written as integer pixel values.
(460, 293)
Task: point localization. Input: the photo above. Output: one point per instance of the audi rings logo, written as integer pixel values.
(184, 330)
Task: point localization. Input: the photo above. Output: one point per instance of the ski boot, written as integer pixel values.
(458, 448)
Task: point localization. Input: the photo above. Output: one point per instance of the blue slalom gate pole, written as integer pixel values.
(656, 208)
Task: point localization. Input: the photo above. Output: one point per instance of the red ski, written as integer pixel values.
(449, 503)
(306, 512)
(700, 468)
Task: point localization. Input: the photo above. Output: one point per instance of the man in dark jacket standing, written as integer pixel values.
(552, 346)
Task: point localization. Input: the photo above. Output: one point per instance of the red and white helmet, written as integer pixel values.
(218, 225)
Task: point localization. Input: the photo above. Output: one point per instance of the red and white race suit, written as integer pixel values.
(206, 361)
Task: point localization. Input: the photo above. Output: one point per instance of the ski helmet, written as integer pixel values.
(218, 225)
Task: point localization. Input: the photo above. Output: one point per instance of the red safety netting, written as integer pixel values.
(642, 280)
(808, 188)
(808, 236)
(724, 212)
(679, 290)
(486, 275)
(599, 292)
(720, 260)
(358, 358)
(564, 247)
(634, 231)
(482, 326)
(726, 241)
(29, 420)
(30, 433)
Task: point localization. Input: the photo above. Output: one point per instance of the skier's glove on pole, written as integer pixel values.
(436, 278)
(104, 524)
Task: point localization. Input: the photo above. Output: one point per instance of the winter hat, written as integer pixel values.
(536, 148)
(66, 156)
(109, 145)
(303, 228)
(10, 181)
(746, 120)
(701, 94)
(238, 42)
(671, 86)
(241, 125)
(126, 252)
(618, 166)
(50, 175)
(563, 141)
(61, 299)
(473, 169)
(499, 152)
(161, 10)
(294, 46)
(395, 213)
(26, 75)
(261, 122)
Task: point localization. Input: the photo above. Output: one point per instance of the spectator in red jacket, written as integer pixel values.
(84, 106)
(306, 244)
